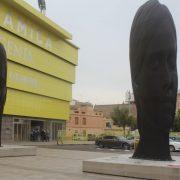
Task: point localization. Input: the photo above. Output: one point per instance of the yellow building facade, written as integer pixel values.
(41, 71)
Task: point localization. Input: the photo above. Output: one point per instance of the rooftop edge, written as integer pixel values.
(40, 18)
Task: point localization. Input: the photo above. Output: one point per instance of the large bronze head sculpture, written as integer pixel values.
(153, 51)
(3, 77)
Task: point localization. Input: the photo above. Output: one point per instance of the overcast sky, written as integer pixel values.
(101, 29)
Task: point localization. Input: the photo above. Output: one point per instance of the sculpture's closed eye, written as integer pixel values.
(171, 62)
(155, 63)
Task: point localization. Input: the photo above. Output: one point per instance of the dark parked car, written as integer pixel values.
(114, 142)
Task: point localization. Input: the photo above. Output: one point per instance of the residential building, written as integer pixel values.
(84, 120)
(109, 108)
(178, 101)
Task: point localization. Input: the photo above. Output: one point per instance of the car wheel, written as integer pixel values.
(171, 148)
(126, 146)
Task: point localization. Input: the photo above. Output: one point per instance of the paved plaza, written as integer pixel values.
(52, 164)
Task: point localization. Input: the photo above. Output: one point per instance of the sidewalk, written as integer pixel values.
(52, 164)
(32, 143)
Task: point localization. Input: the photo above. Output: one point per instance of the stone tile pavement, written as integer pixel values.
(33, 143)
(52, 164)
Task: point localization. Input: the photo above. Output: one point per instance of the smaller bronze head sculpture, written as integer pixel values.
(153, 51)
(3, 77)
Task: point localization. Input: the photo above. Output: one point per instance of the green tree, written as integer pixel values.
(176, 126)
(121, 118)
(132, 122)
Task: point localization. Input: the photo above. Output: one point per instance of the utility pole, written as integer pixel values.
(128, 100)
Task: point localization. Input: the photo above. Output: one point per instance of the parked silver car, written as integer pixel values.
(174, 145)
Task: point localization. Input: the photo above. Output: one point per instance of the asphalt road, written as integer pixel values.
(93, 148)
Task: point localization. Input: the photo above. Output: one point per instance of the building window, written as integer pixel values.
(84, 121)
(83, 113)
(76, 111)
(76, 120)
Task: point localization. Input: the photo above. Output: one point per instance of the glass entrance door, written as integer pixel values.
(17, 132)
(21, 130)
(55, 128)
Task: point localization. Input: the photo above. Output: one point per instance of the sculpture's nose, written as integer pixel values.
(168, 82)
(168, 87)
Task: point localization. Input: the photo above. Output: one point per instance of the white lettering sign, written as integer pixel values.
(26, 30)
(48, 43)
(15, 50)
(19, 78)
(8, 21)
(38, 38)
(22, 28)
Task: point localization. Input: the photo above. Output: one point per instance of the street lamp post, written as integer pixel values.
(42, 6)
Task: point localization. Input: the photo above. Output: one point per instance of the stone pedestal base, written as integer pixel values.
(14, 151)
(124, 165)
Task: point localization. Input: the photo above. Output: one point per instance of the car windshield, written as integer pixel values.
(122, 138)
(177, 139)
(130, 138)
